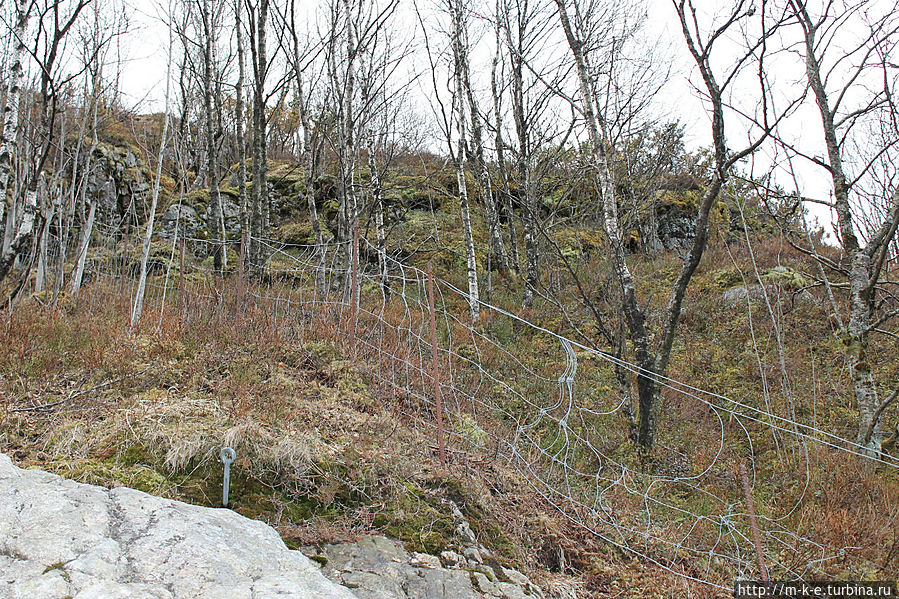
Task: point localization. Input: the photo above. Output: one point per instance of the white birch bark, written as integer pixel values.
(500, 149)
(239, 124)
(81, 255)
(10, 129)
(864, 261)
(14, 78)
(456, 9)
(23, 233)
(138, 307)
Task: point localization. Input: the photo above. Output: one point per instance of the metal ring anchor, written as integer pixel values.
(227, 456)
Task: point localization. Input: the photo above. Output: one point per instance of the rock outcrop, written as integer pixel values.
(62, 539)
(59, 538)
(379, 568)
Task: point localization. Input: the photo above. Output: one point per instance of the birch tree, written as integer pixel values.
(848, 55)
(589, 36)
(138, 306)
(13, 77)
(300, 62)
(525, 26)
(258, 22)
(239, 115)
(56, 22)
(457, 10)
(10, 134)
(211, 94)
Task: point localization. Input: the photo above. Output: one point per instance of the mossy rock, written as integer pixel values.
(726, 278)
(198, 199)
(786, 277)
(296, 233)
(678, 200)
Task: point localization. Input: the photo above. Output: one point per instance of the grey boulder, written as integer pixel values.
(59, 538)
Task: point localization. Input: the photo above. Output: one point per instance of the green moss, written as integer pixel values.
(413, 519)
(488, 572)
(679, 200)
(55, 566)
(198, 199)
(61, 566)
(785, 276)
(726, 278)
(296, 233)
(136, 454)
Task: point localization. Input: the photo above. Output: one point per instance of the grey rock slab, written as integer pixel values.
(473, 555)
(737, 295)
(376, 567)
(59, 538)
(425, 560)
(430, 584)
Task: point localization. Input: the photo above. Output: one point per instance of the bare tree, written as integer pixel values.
(13, 77)
(589, 35)
(239, 115)
(10, 134)
(211, 96)
(258, 224)
(355, 29)
(458, 11)
(848, 54)
(525, 25)
(300, 60)
(138, 306)
(56, 20)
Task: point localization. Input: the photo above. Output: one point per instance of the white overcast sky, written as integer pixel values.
(143, 86)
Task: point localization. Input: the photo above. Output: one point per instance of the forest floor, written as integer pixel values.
(325, 453)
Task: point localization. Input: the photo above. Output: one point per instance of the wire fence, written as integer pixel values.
(546, 405)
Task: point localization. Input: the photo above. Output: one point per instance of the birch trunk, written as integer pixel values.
(16, 73)
(215, 199)
(239, 123)
(88, 226)
(863, 273)
(81, 254)
(8, 137)
(148, 237)
(309, 180)
(480, 163)
(308, 152)
(500, 151)
(636, 320)
(460, 160)
(470, 258)
(260, 149)
(347, 141)
(23, 233)
(138, 307)
(525, 177)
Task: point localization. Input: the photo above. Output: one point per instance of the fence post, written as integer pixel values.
(354, 301)
(123, 265)
(181, 282)
(241, 272)
(435, 372)
(754, 524)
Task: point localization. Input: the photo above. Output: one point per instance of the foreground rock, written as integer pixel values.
(59, 538)
(379, 568)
